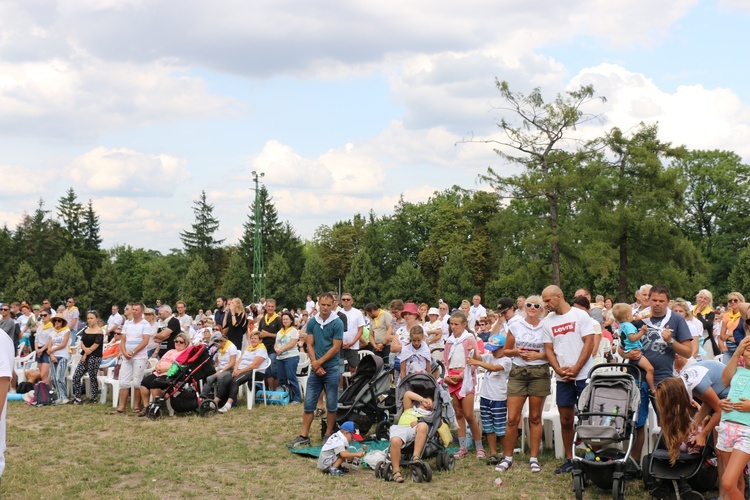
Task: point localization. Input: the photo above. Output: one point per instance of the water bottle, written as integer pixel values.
(590, 455)
(498, 481)
(608, 420)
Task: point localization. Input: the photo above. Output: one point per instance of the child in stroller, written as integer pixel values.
(415, 434)
(410, 430)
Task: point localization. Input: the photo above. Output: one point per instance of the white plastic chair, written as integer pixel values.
(605, 346)
(111, 381)
(303, 372)
(21, 364)
(251, 385)
(362, 354)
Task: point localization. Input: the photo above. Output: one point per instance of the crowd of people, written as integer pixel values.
(521, 347)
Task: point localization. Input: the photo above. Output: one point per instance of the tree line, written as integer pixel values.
(607, 214)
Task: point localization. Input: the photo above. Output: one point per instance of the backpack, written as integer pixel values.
(42, 394)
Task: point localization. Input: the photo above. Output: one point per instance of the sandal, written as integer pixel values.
(415, 461)
(503, 465)
(137, 410)
(319, 412)
(117, 412)
(535, 467)
(493, 460)
(142, 413)
(398, 477)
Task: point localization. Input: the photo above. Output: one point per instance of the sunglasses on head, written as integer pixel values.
(530, 305)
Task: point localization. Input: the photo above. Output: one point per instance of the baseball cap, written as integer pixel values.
(494, 343)
(349, 427)
(504, 304)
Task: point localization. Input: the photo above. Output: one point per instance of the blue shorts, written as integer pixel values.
(568, 392)
(317, 384)
(44, 358)
(494, 416)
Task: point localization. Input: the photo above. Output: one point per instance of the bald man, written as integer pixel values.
(568, 335)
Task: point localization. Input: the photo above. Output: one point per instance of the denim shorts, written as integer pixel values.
(44, 358)
(317, 384)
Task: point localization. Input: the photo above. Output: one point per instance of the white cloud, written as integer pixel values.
(124, 171)
(692, 115)
(19, 182)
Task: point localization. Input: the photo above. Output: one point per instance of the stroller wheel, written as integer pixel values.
(208, 408)
(381, 430)
(387, 472)
(578, 486)
(379, 470)
(154, 412)
(618, 489)
(416, 474)
(439, 462)
(426, 472)
(449, 460)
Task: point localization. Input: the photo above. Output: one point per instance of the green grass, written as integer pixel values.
(83, 452)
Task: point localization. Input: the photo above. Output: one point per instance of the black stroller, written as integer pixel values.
(183, 392)
(608, 413)
(359, 401)
(426, 386)
(691, 474)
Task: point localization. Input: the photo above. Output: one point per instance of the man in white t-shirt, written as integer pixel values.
(310, 304)
(114, 321)
(7, 354)
(444, 311)
(185, 320)
(568, 335)
(476, 311)
(354, 326)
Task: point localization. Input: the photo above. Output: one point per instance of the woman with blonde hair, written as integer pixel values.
(681, 307)
(703, 311)
(728, 324)
(236, 323)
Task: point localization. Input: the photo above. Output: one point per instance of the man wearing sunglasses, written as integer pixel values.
(7, 324)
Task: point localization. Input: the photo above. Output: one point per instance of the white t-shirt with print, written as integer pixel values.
(529, 338)
(565, 332)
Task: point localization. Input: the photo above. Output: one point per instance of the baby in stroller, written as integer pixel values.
(410, 429)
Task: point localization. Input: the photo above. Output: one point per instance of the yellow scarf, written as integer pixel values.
(705, 312)
(222, 350)
(61, 329)
(734, 320)
(71, 308)
(375, 320)
(259, 346)
(269, 321)
(46, 325)
(284, 330)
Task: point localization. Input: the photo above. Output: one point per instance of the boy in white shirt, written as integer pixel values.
(336, 449)
(494, 394)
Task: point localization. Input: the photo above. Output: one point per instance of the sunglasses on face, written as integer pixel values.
(4, 309)
(530, 305)
(179, 341)
(731, 301)
(43, 315)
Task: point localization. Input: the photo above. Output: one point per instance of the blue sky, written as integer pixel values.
(344, 105)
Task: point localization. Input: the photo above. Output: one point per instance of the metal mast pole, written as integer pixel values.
(258, 266)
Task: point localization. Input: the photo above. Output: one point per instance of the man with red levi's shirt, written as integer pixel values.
(568, 335)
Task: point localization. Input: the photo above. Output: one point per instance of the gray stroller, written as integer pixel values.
(608, 413)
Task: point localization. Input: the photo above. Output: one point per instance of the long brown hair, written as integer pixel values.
(675, 411)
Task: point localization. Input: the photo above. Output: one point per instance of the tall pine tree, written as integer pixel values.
(197, 290)
(237, 280)
(200, 241)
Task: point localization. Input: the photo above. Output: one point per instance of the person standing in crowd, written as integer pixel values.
(309, 305)
(461, 381)
(8, 325)
(136, 334)
(380, 321)
(27, 323)
(236, 323)
(167, 331)
(476, 311)
(43, 334)
(528, 379)
(325, 333)
(114, 322)
(7, 355)
(704, 312)
(434, 330)
(269, 326)
(185, 320)
(506, 316)
(728, 324)
(355, 323)
(444, 317)
(92, 340)
(287, 356)
(668, 334)
(57, 347)
(569, 343)
(72, 315)
(221, 306)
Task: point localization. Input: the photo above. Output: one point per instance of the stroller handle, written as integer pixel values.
(627, 366)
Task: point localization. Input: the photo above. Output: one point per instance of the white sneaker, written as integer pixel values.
(225, 408)
(62, 401)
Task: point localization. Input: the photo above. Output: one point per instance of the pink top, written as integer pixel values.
(162, 367)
